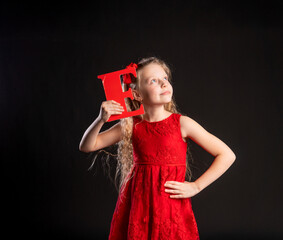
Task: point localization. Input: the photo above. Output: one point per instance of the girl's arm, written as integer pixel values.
(224, 156)
(92, 140)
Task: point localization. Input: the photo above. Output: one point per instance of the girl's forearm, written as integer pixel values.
(220, 164)
(88, 140)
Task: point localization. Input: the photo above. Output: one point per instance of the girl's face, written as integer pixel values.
(155, 87)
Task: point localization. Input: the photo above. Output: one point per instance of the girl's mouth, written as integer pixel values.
(167, 92)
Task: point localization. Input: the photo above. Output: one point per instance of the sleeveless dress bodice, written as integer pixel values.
(159, 142)
(144, 210)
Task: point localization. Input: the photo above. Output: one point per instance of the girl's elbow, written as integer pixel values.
(230, 155)
(233, 157)
(83, 149)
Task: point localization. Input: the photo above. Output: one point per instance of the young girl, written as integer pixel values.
(154, 199)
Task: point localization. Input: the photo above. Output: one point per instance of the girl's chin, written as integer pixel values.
(161, 103)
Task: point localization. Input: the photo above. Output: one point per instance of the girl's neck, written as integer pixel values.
(155, 114)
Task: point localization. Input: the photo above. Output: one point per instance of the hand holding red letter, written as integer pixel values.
(113, 90)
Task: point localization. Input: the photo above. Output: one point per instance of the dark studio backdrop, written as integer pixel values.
(226, 60)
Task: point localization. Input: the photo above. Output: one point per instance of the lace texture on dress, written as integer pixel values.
(147, 211)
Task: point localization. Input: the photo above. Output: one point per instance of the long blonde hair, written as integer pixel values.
(124, 154)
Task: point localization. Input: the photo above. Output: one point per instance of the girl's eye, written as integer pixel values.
(165, 78)
(153, 80)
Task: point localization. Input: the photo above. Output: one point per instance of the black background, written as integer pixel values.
(226, 58)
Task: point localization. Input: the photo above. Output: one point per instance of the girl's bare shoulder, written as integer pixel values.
(190, 127)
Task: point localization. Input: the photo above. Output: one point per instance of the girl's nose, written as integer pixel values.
(164, 83)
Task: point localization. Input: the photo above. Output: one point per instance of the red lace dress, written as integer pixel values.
(143, 209)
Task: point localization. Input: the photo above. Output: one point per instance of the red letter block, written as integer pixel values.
(113, 91)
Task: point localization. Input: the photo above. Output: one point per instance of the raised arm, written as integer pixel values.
(92, 140)
(224, 156)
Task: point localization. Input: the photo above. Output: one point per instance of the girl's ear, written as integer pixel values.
(136, 95)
